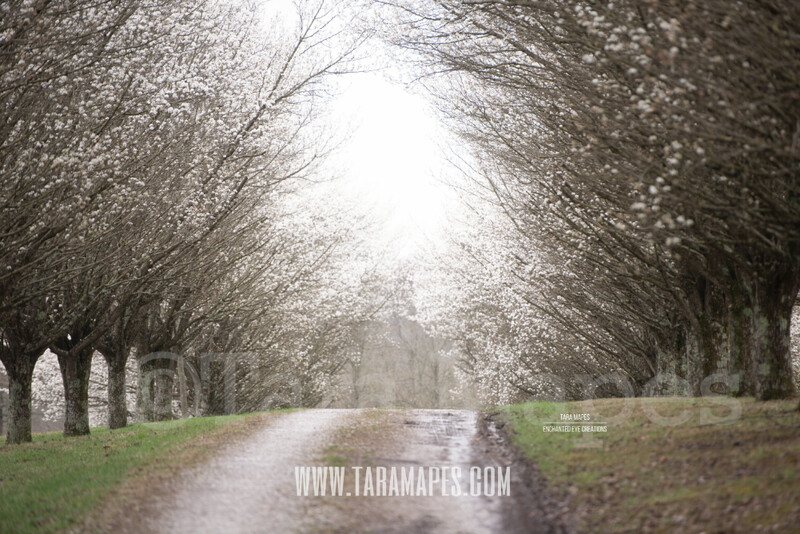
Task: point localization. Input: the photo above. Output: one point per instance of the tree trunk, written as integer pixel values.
(116, 352)
(773, 299)
(142, 395)
(117, 401)
(211, 388)
(164, 385)
(740, 350)
(19, 368)
(144, 390)
(707, 343)
(183, 389)
(75, 370)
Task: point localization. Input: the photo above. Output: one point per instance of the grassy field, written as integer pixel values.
(670, 464)
(56, 483)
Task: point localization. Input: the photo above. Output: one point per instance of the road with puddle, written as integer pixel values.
(251, 486)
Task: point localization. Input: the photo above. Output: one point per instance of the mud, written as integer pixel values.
(533, 509)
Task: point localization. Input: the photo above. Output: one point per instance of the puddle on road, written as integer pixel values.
(250, 486)
(412, 439)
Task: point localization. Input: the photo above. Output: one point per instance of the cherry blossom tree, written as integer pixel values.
(135, 139)
(648, 151)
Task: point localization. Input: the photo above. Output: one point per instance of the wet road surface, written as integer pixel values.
(250, 486)
(434, 438)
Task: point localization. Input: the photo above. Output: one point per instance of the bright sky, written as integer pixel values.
(393, 161)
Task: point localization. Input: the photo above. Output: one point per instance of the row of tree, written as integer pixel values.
(146, 150)
(647, 156)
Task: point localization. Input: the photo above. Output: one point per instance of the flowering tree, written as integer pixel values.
(649, 151)
(137, 140)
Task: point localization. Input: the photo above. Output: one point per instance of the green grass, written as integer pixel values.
(335, 456)
(736, 474)
(55, 483)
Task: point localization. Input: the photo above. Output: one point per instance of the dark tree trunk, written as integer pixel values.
(144, 390)
(739, 326)
(157, 372)
(712, 329)
(75, 369)
(183, 391)
(773, 299)
(164, 387)
(703, 312)
(117, 402)
(669, 345)
(714, 326)
(19, 368)
(116, 351)
(212, 387)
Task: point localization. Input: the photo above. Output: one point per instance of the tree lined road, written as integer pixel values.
(585, 200)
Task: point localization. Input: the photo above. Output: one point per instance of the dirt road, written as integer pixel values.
(252, 487)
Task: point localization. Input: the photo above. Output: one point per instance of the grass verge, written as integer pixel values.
(57, 484)
(670, 464)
